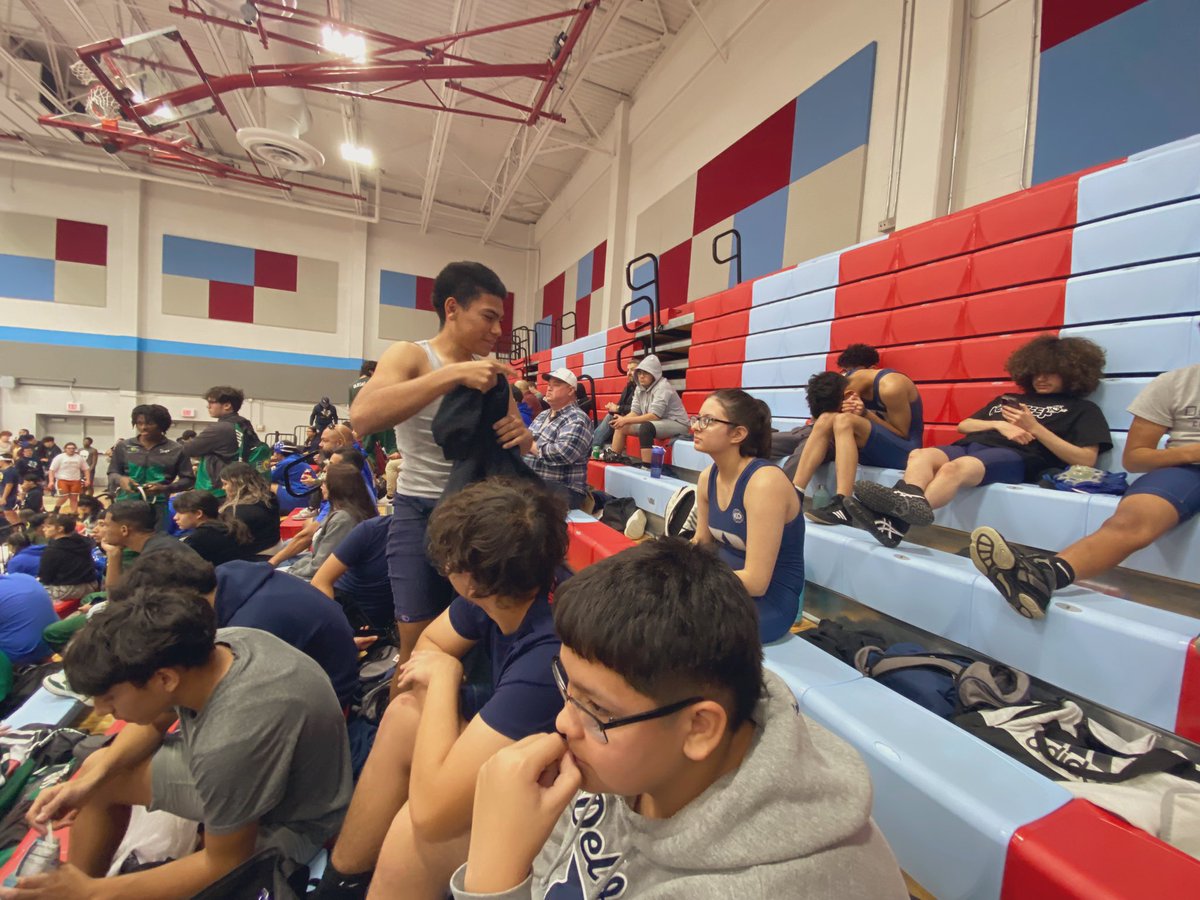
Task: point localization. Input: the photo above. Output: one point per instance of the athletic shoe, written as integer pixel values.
(896, 502)
(635, 526)
(1026, 582)
(886, 529)
(58, 685)
(609, 455)
(832, 513)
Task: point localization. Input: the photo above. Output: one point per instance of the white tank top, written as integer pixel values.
(425, 470)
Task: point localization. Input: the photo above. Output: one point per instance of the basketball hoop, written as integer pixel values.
(102, 104)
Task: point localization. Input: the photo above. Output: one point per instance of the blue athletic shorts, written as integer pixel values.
(886, 449)
(419, 592)
(1178, 485)
(1000, 465)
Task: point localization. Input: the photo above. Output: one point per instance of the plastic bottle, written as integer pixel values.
(657, 455)
(820, 497)
(43, 855)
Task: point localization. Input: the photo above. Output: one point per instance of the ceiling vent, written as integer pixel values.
(279, 149)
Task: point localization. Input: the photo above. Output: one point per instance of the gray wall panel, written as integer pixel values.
(91, 367)
(191, 375)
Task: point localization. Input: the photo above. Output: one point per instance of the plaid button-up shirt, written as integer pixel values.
(564, 442)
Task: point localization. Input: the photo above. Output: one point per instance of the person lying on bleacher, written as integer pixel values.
(746, 509)
(681, 768)
(249, 594)
(500, 544)
(1167, 495)
(869, 415)
(260, 758)
(656, 412)
(562, 440)
(1014, 438)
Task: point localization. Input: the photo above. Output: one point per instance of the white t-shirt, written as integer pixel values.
(68, 468)
(1172, 400)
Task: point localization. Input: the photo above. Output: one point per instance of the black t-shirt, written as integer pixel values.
(1073, 419)
(213, 541)
(263, 521)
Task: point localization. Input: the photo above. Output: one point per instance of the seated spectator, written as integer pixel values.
(604, 431)
(1166, 496)
(312, 438)
(91, 511)
(500, 544)
(248, 498)
(221, 443)
(355, 574)
(287, 468)
(349, 504)
(675, 756)
(746, 508)
(69, 474)
(522, 406)
(1010, 440)
(303, 539)
(129, 528)
(253, 595)
(33, 493)
(26, 546)
(9, 490)
(531, 397)
(67, 569)
(260, 757)
(25, 611)
(656, 412)
(216, 538)
(562, 440)
(27, 463)
(186, 435)
(867, 415)
(150, 466)
(7, 445)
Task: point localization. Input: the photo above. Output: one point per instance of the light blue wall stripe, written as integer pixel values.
(173, 348)
(207, 259)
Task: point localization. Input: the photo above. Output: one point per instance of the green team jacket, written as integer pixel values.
(165, 463)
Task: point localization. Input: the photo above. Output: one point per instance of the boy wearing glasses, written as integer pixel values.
(681, 768)
(500, 545)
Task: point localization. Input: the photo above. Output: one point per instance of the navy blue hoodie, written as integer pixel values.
(254, 595)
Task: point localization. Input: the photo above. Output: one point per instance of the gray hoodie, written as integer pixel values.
(793, 820)
(660, 399)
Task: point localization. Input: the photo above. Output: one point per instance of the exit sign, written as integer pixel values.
(74, 407)
(187, 413)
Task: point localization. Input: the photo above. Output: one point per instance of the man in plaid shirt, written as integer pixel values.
(562, 439)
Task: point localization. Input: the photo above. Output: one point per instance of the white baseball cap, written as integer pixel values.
(564, 375)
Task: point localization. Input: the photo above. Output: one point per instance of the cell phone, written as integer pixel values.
(1010, 400)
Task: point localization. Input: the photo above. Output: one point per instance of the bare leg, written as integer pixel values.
(814, 450)
(413, 869)
(966, 471)
(850, 433)
(618, 441)
(382, 788)
(923, 465)
(101, 823)
(1139, 521)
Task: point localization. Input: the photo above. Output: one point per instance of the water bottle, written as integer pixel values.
(656, 462)
(820, 498)
(43, 856)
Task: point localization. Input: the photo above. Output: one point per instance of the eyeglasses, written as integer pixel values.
(597, 728)
(699, 423)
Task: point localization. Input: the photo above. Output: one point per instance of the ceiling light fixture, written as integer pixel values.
(353, 46)
(362, 156)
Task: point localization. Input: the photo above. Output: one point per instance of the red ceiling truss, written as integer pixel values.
(389, 63)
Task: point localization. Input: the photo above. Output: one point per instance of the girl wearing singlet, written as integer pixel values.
(406, 393)
(748, 509)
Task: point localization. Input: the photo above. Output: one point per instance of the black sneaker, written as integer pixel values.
(886, 529)
(896, 502)
(1026, 582)
(832, 513)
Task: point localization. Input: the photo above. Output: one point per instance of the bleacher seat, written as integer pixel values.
(1154, 290)
(1162, 232)
(1148, 345)
(1167, 176)
(802, 340)
(785, 313)
(651, 494)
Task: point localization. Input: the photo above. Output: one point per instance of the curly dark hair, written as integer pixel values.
(152, 412)
(1078, 361)
(825, 393)
(509, 536)
(858, 356)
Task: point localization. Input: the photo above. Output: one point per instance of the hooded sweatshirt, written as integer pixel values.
(793, 820)
(216, 447)
(254, 595)
(67, 560)
(660, 399)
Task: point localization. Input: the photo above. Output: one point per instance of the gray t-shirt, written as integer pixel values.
(1172, 400)
(270, 745)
